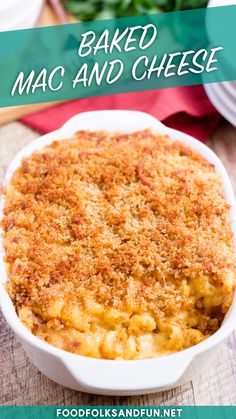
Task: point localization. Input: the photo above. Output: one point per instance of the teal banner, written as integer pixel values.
(120, 55)
(133, 412)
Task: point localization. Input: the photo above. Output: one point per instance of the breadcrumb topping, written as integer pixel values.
(119, 245)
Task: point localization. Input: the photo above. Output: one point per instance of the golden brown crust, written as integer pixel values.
(132, 222)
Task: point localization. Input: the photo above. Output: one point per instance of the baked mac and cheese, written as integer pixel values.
(118, 246)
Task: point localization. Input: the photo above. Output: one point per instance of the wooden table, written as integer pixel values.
(22, 384)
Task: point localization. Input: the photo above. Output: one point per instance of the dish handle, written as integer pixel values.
(106, 376)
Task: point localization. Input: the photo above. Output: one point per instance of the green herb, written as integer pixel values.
(86, 10)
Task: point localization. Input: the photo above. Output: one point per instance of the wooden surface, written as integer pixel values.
(22, 384)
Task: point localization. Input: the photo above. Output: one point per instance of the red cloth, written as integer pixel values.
(184, 108)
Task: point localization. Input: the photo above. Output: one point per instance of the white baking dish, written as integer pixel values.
(106, 376)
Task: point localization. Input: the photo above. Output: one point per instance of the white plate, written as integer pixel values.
(222, 101)
(105, 376)
(22, 15)
(230, 86)
(227, 93)
(222, 94)
(214, 33)
(217, 3)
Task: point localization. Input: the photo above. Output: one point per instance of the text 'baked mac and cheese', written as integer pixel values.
(118, 246)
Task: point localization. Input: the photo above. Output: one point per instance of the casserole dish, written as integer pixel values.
(107, 376)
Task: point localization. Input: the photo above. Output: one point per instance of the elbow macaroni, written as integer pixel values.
(110, 334)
